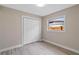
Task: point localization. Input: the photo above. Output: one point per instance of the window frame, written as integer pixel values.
(56, 18)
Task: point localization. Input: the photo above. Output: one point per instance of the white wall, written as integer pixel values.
(11, 27)
(32, 30)
(69, 38)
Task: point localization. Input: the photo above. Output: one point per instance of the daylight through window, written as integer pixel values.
(56, 24)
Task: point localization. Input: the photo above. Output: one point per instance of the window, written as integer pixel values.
(56, 24)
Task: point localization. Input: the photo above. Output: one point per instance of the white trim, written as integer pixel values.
(29, 17)
(5, 49)
(22, 23)
(65, 47)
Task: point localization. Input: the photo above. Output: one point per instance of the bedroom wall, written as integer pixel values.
(69, 38)
(10, 27)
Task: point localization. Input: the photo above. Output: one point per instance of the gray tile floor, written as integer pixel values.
(36, 48)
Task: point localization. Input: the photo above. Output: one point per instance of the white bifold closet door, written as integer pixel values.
(32, 30)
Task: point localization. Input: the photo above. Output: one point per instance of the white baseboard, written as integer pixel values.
(70, 49)
(20, 45)
(31, 42)
(5, 49)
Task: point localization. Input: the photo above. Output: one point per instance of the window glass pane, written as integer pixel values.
(56, 24)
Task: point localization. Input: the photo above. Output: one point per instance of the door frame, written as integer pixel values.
(22, 27)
